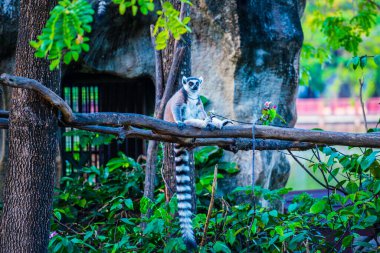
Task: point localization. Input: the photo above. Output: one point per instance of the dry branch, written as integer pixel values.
(170, 83)
(211, 205)
(159, 79)
(231, 144)
(163, 128)
(46, 93)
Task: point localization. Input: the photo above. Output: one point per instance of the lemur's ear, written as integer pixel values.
(184, 80)
(200, 80)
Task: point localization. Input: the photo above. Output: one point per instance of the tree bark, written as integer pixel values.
(28, 190)
(185, 69)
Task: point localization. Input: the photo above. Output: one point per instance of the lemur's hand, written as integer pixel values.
(211, 126)
(226, 122)
(181, 125)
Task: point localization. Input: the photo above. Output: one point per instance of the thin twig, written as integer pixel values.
(311, 175)
(172, 77)
(67, 227)
(209, 212)
(361, 81)
(159, 72)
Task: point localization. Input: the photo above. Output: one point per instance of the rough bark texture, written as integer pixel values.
(185, 69)
(28, 191)
(169, 166)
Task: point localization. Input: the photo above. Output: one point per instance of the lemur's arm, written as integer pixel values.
(202, 120)
(177, 115)
(211, 122)
(202, 112)
(220, 123)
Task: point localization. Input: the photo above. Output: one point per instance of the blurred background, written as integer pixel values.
(329, 92)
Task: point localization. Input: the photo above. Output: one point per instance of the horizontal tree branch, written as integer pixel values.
(162, 128)
(230, 144)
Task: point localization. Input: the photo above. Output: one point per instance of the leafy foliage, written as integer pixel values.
(269, 114)
(334, 31)
(361, 61)
(101, 211)
(64, 33)
(144, 5)
(169, 22)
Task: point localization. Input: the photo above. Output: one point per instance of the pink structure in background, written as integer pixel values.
(338, 114)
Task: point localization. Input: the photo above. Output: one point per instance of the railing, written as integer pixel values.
(340, 114)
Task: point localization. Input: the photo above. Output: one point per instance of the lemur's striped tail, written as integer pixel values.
(184, 195)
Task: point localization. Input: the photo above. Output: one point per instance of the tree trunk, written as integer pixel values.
(185, 70)
(150, 170)
(28, 190)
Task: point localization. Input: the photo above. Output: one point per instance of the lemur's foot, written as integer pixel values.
(181, 125)
(211, 126)
(226, 122)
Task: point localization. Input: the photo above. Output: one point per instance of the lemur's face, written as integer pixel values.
(192, 84)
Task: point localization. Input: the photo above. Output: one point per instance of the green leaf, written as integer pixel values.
(205, 101)
(54, 64)
(363, 62)
(292, 207)
(127, 221)
(39, 54)
(352, 187)
(273, 213)
(221, 247)
(318, 207)
(368, 160)
(376, 187)
(279, 230)
(150, 6)
(129, 204)
(265, 218)
(174, 245)
(355, 62)
(144, 10)
(34, 44)
(67, 58)
(370, 219)
(134, 10)
(145, 204)
(347, 240)
(122, 8)
(230, 236)
(58, 215)
(75, 55)
(85, 47)
(377, 60)
(373, 130)
(82, 203)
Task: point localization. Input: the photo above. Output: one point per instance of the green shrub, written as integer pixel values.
(101, 211)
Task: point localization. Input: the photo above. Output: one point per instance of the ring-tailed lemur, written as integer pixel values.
(186, 108)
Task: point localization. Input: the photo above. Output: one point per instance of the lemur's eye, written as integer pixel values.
(197, 83)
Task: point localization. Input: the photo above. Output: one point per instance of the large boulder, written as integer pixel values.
(246, 51)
